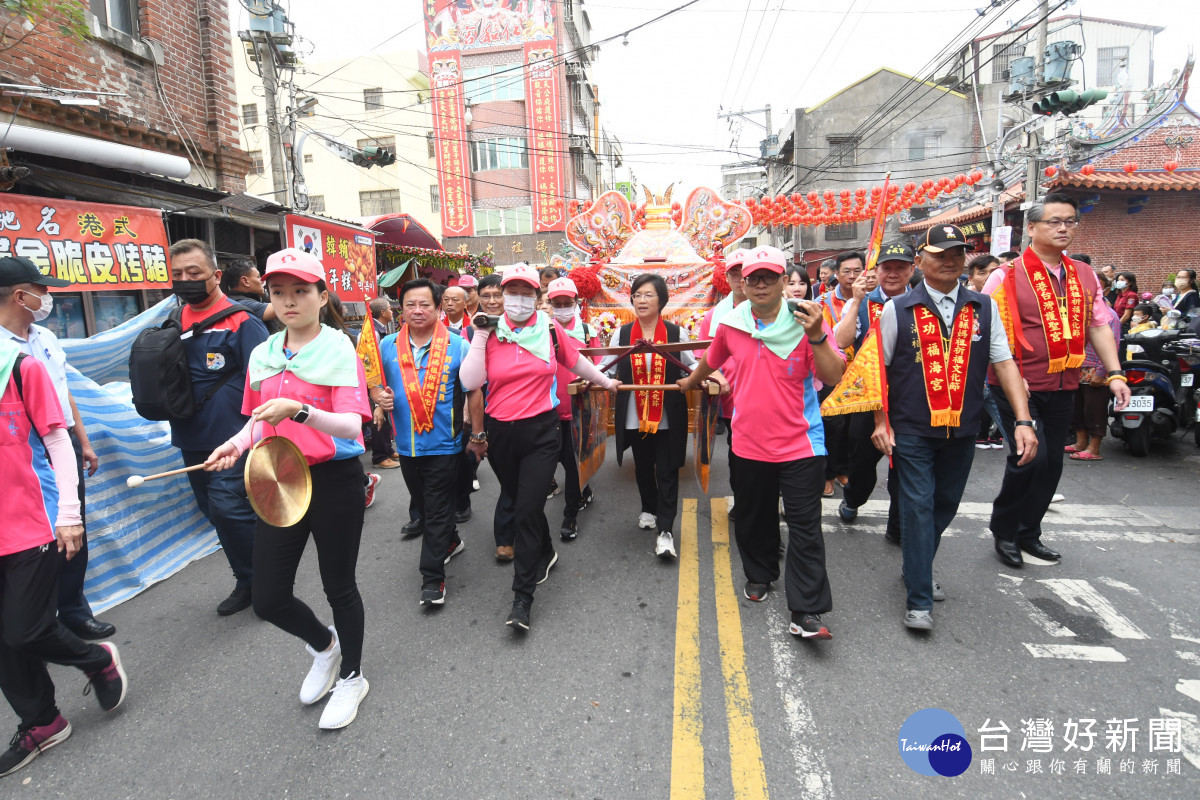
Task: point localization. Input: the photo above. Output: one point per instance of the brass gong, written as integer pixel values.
(278, 482)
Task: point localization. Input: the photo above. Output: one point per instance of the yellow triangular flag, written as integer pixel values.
(863, 386)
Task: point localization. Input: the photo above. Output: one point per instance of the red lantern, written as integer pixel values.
(927, 184)
(1051, 171)
(796, 198)
(910, 187)
(812, 197)
(1130, 167)
(975, 177)
(1087, 169)
(943, 182)
(1171, 166)
(960, 179)
(780, 199)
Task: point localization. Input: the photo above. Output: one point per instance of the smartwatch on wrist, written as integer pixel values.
(1028, 423)
(302, 415)
(814, 342)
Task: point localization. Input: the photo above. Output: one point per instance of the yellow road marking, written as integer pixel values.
(745, 753)
(687, 751)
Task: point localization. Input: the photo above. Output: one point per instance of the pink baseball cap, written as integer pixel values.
(296, 263)
(771, 259)
(467, 281)
(562, 287)
(521, 272)
(735, 259)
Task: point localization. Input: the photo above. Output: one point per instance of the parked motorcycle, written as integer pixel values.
(1160, 368)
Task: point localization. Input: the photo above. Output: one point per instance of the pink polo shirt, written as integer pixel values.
(776, 416)
(564, 377)
(30, 490)
(519, 384)
(317, 447)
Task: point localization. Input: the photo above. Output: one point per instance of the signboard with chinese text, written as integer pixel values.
(450, 137)
(96, 247)
(545, 139)
(455, 25)
(347, 254)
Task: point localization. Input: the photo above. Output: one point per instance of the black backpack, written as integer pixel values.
(158, 368)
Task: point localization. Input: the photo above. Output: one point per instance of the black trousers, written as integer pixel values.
(73, 608)
(864, 461)
(733, 460)
(572, 494)
(335, 521)
(523, 454)
(381, 440)
(837, 440)
(31, 635)
(464, 470)
(657, 477)
(1026, 491)
(431, 485)
(756, 528)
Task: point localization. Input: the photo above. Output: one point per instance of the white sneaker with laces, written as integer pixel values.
(323, 673)
(647, 521)
(342, 707)
(665, 546)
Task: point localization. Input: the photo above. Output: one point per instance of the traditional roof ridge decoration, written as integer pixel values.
(1164, 157)
(959, 214)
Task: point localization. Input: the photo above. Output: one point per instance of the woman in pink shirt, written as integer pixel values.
(306, 383)
(519, 361)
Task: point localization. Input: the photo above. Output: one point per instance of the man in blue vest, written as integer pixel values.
(937, 342)
(866, 304)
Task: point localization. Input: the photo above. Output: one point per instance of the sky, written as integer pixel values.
(661, 93)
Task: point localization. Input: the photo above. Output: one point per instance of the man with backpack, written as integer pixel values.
(218, 337)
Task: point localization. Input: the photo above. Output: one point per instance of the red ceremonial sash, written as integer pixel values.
(650, 369)
(874, 310)
(944, 363)
(422, 396)
(1063, 318)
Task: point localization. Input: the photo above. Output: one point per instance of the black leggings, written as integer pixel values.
(335, 520)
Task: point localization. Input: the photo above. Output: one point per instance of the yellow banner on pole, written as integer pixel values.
(368, 353)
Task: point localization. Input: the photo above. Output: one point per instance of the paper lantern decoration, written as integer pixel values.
(975, 177)
(1171, 166)
(960, 179)
(1087, 169)
(1130, 167)
(1051, 171)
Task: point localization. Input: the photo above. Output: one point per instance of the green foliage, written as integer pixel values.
(64, 18)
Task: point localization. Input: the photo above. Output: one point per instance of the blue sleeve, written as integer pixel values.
(391, 365)
(459, 347)
(250, 334)
(257, 307)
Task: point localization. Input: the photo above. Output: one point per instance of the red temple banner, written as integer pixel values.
(347, 254)
(546, 141)
(450, 132)
(94, 246)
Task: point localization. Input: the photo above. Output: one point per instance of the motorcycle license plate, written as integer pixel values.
(1186, 380)
(1141, 402)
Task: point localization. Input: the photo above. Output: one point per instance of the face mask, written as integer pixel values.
(1136, 320)
(1119, 284)
(1169, 291)
(564, 315)
(1181, 285)
(519, 307)
(191, 292)
(44, 309)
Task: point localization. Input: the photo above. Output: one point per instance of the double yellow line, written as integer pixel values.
(687, 748)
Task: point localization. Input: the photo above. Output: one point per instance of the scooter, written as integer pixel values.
(1157, 364)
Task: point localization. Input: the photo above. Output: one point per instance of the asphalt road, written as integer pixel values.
(651, 679)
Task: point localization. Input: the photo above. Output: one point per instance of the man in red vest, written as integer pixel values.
(1051, 308)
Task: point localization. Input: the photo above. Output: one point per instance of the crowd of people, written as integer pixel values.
(1015, 352)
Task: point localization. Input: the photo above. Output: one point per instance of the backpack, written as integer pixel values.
(159, 375)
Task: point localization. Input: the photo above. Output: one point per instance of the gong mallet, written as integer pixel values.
(134, 481)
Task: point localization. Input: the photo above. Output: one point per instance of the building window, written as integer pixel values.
(435, 198)
(498, 82)
(503, 221)
(257, 167)
(379, 141)
(1109, 63)
(841, 233)
(432, 144)
(924, 145)
(385, 201)
(843, 150)
(504, 153)
(250, 114)
(118, 14)
(373, 99)
(308, 158)
(316, 203)
(1002, 56)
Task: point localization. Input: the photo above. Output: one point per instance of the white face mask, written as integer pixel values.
(1169, 290)
(1136, 320)
(1119, 284)
(44, 309)
(564, 315)
(519, 307)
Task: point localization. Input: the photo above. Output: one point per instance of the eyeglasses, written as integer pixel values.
(1058, 223)
(759, 279)
(645, 296)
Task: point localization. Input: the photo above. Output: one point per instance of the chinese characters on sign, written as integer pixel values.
(94, 246)
(1087, 746)
(545, 143)
(974, 228)
(450, 133)
(347, 254)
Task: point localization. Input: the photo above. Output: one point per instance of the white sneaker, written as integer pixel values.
(665, 546)
(323, 673)
(342, 707)
(1058, 498)
(474, 486)
(647, 521)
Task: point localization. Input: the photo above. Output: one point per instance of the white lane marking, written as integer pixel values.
(1116, 584)
(1036, 614)
(1185, 638)
(1075, 652)
(1190, 688)
(1059, 513)
(1080, 594)
(1056, 534)
(811, 770)
(1190, 658)
(1189, 734)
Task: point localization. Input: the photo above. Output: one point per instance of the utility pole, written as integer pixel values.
(264, 54)
(1033, 169)
(768, 156)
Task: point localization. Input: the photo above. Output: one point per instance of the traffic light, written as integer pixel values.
(374, 156)
(1068, 101)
